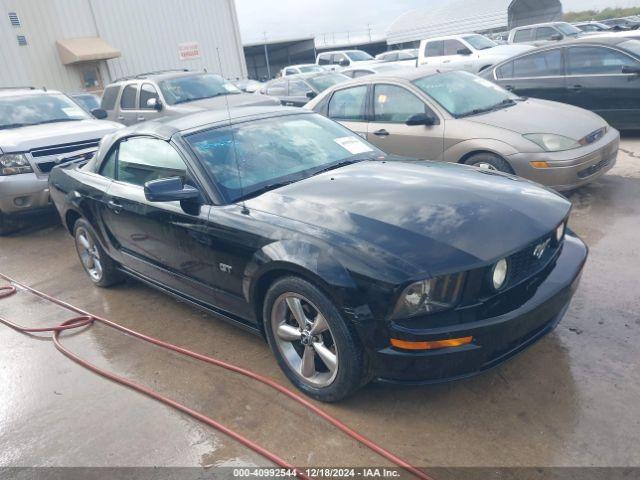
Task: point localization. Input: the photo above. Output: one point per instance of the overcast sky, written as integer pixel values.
(302, 18)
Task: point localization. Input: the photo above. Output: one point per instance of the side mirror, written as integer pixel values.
(631, 69)
(464, 51)
(169, 190)
(344, 62)
(556, 36)
(311, 94)
(421, 119)
(99, 113)
(154, 103)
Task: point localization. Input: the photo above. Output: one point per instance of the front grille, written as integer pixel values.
(64, 148)
(48, 157)
(46, 167)
(526, 263)
(587, 172)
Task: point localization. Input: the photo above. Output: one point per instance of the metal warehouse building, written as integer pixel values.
(464, 16)
(75, 45)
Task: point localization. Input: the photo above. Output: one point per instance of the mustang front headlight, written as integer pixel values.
(551, 142)
(14, 163)
(429, 296)
(560, 232)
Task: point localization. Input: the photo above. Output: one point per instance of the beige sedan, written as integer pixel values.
(456, 116)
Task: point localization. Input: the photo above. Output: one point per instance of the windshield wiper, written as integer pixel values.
(14, 125)
(58, 120)
(507, 102)
(185, 100)
(342, 163)
(264, 189)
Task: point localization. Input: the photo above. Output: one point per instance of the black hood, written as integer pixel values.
(428, 216)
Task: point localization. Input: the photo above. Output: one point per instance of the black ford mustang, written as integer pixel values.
(353, 264)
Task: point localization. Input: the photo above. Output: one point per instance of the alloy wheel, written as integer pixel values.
(89, 254)
(485, 165)
(305, 340)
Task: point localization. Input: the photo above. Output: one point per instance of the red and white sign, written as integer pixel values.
(188, 50)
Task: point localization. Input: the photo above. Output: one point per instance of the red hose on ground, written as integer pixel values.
(87, 318)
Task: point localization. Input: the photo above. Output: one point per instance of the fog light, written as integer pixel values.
(20, 201)
(499, 274)
(539, 164)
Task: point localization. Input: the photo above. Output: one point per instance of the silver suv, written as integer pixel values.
(39, 129)
(152, 95)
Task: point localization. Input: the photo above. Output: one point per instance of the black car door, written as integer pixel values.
(157, 240)
(537, 75)
(596, 81)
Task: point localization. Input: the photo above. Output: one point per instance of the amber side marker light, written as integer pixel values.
(539, 164)
(433, 345)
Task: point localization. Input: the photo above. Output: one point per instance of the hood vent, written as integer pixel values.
(14, 19)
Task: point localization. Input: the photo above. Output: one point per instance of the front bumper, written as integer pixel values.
(495, 339)
(571, 168)
(24, 194)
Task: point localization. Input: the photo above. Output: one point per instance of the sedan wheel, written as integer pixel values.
(89, 254)
(316, 347)
(489, 161)
(305, 339)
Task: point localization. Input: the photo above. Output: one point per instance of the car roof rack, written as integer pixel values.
(147, 74)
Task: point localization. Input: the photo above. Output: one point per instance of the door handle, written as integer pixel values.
(140, 119)
(120, 117)
(114, 206)
(509, 87)
(446, 61)
(575, 88)
(381, 133)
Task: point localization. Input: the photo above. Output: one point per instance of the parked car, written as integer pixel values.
(302, 68)
(601, 74)
(408, 56)
(354, 265)
(364, 70)
(592, 27)
(540, 33)
(471, 52)
(341, 59)
(620, 24)
(172, 92)
(36, 127)
(248, 85)
(88, 101)
(297, 90)
(455, 116)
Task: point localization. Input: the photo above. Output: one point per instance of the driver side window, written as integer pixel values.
(139, 160)
(395, 104)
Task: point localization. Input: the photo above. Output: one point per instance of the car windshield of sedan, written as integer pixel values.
(24, 110)
(322, 82)
(568, 29)
(480, 42)
(310, 68)
(358, 56)
(195, 87)
(253, 157)
(462, 93)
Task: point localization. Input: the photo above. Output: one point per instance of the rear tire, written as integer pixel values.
(315, 347)
(100, 268)
(489, 161)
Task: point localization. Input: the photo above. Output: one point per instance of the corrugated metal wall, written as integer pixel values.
(147, 32)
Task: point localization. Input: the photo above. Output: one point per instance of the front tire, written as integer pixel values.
(489, 161)
(314, 346)
(102, 270)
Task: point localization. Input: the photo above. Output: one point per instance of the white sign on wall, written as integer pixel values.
(188, 50)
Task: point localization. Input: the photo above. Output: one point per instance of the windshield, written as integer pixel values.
(480, 42)
(409, 55)
(462, 93)
(274, 151)
(189, 88)
(358, 55)
(567, 29)
(310, 69)
(25, 110)
(322, 82)
(88, 102)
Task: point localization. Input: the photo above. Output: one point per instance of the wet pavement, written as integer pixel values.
(570, 400)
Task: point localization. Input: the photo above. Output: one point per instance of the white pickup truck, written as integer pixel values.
(471, 52)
